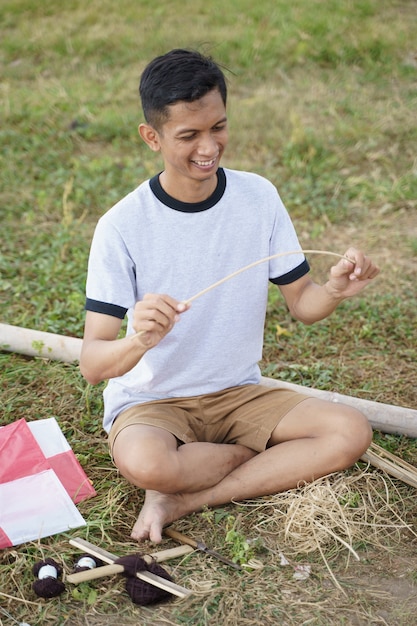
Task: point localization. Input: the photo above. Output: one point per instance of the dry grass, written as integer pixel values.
(326, 526)
(333, 515)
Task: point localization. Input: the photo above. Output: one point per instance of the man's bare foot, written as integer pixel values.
(158, 510)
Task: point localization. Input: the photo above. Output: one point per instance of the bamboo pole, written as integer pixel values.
(385, 417)
(38, 343)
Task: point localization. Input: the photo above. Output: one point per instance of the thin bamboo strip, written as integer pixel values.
(390, 463)
(248, 267)
(264, 260)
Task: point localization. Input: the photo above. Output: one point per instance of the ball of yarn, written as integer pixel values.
(47, 585)
(86, 562)
(140, 591)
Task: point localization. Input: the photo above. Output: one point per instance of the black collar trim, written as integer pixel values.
(190, 207)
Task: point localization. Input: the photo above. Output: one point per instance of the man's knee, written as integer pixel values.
(149, 471)
(149, 461)
(316, 418)
(354, 435)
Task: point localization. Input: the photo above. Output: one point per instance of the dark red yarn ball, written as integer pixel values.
(48, 587)
(141, 592)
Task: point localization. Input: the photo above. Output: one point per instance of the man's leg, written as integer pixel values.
(149, 457)
(314, 438)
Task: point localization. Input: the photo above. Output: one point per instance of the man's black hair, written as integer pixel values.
(179, 75)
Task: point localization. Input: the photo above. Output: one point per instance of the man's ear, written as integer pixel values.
(150, 136)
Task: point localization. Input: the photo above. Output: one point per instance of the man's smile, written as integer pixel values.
(204, 163)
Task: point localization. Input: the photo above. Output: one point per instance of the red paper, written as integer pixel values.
(20, 454)
(41, 480)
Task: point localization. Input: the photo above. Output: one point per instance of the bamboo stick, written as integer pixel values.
(387, 418)
(38, 343)
(93, 574)
(391, 464)
(115, 568)
(277, 255)
(148, 577)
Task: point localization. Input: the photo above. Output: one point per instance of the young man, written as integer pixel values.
(188, 419)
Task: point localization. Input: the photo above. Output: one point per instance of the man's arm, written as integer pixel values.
(309, 302)
(104, 356)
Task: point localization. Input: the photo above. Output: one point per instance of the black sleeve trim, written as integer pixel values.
(292, 276)
(104, 307)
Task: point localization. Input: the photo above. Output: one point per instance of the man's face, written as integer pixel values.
(192, 142)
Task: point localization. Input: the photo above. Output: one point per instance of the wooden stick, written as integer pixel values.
(388, 418)
(39, 343)
(255, 263)
(115, 568)
(97, 572)
(148, 577)
(248, 267)
(390, 463)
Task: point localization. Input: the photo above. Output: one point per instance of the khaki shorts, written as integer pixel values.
(245, 415)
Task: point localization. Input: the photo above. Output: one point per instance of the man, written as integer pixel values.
(187, 417)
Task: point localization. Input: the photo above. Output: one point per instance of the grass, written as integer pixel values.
(322, 101)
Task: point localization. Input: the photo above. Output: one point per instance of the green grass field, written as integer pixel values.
(323, 103)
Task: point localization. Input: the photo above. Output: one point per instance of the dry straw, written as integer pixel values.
(332, 514)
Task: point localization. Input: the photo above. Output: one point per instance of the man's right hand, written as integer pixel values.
(104, 355)
(155, 316)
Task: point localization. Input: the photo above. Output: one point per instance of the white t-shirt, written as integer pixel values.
(151, 243)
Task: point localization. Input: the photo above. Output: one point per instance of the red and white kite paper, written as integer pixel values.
(41, 480)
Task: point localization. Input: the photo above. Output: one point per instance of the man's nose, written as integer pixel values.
(207, 145)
